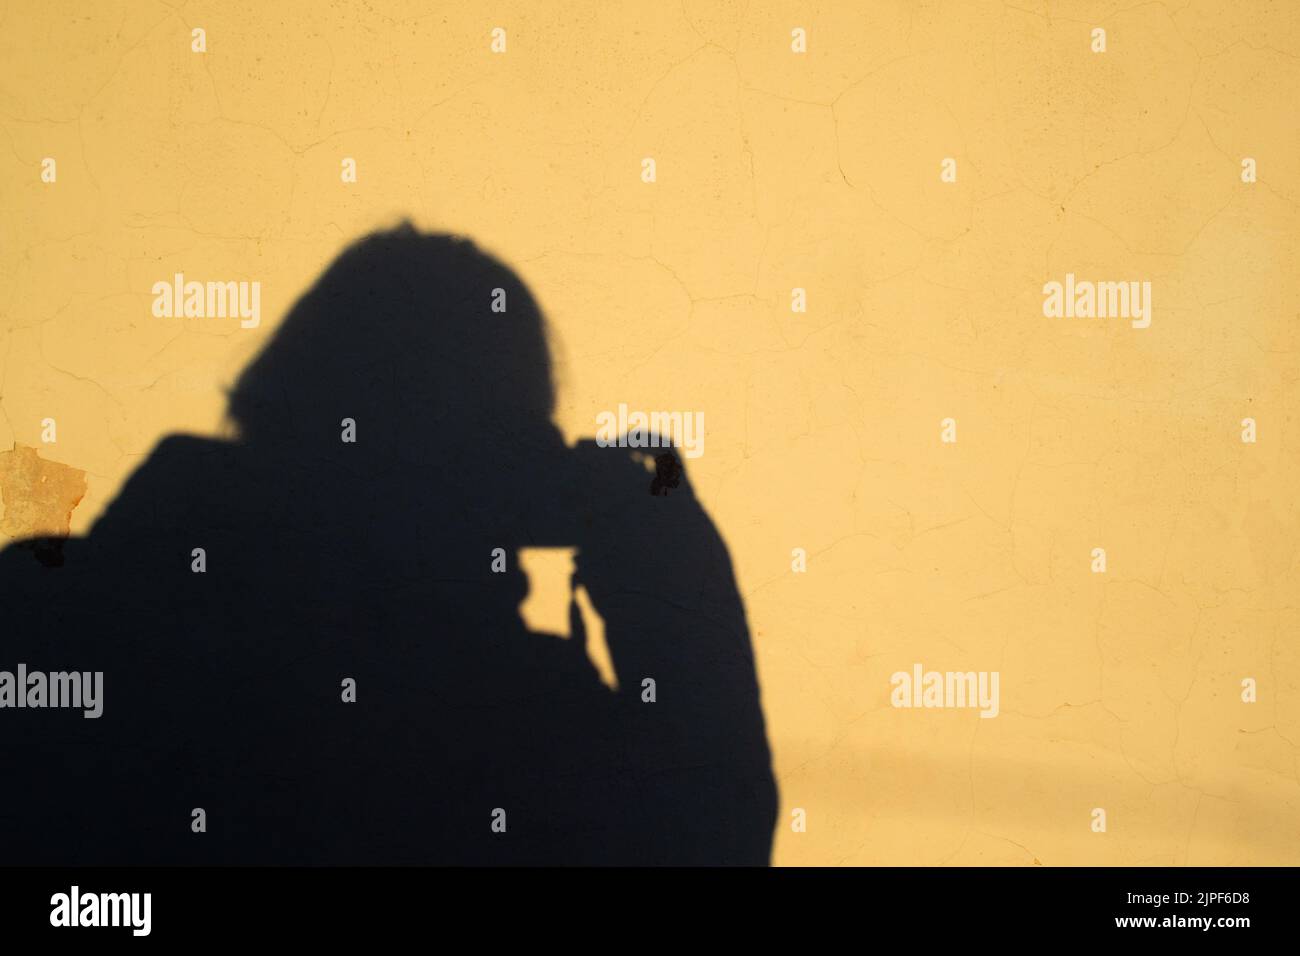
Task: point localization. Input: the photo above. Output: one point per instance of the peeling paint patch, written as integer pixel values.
(39, 496)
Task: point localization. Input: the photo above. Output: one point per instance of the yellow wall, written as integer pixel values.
(778, 170)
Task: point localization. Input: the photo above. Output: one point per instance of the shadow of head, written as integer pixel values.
(427, 343)
(415, 377)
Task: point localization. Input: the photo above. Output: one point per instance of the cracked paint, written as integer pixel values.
(39, 495)
(819, 171)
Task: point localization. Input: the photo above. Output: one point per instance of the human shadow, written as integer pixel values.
(371, 561)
